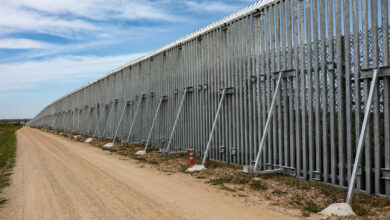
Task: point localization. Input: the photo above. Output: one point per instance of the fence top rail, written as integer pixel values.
(242, 13)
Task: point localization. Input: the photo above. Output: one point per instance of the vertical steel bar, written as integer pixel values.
(356, 75)
(317, 92)
(340, 93)
(279, 98)
(367, 153)
(297, 93)
(348, 88)
(309, 124)
(376, 130)
(386, 89)
(331, 98)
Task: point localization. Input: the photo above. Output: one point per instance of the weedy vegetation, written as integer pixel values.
(7, 155)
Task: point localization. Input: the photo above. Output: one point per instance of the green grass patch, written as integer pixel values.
(278, 192)
(200, 177)
(154, 162)
(359, 210)
(7, 158)
(223, 187)
(240, 179)
(311, 206)
(257, 185)
(219, 181)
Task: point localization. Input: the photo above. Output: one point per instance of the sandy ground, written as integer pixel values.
(56, 178)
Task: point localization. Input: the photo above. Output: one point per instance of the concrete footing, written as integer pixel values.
(108, 145)
(140, 152)
(196, 168)
(88, 140)
(338, 209)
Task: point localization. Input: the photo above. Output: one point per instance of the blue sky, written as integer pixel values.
(51, 47)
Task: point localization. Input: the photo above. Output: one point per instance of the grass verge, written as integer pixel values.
(7, 158)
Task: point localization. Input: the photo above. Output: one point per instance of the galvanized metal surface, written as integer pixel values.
(327, 51)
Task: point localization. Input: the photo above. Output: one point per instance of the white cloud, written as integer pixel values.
(15, 20)
(34, 73)
(210, 6)
(74, 18)
(21, 43)
(101, 9)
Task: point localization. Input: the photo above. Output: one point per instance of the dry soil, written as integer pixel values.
(57, 178)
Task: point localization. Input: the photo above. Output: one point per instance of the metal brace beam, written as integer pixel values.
(85, 120)
(186, 90)
(383, 71)
(54, 121)
(108, 119)
(120, 120)
(135, 116)
(265, 132)
(90, 123)
(97, 125)
(223, 94)
(359, 148)
(163, 98)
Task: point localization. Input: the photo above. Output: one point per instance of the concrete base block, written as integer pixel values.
(196, 168)
(88, 140)
(338, 209)
(108, 145)
(140, 152)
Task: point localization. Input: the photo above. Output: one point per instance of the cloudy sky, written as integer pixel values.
(51, 47)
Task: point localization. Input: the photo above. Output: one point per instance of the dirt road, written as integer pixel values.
(56, 178)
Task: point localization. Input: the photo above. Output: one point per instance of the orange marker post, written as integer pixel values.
(191, 156)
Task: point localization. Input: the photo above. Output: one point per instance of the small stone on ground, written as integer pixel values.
(140, 152)
(88, 140)
(108, 145)
(196, 168)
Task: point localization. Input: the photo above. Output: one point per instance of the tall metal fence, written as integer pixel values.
(326, 51)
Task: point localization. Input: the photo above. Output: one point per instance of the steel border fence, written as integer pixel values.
(326, 51)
